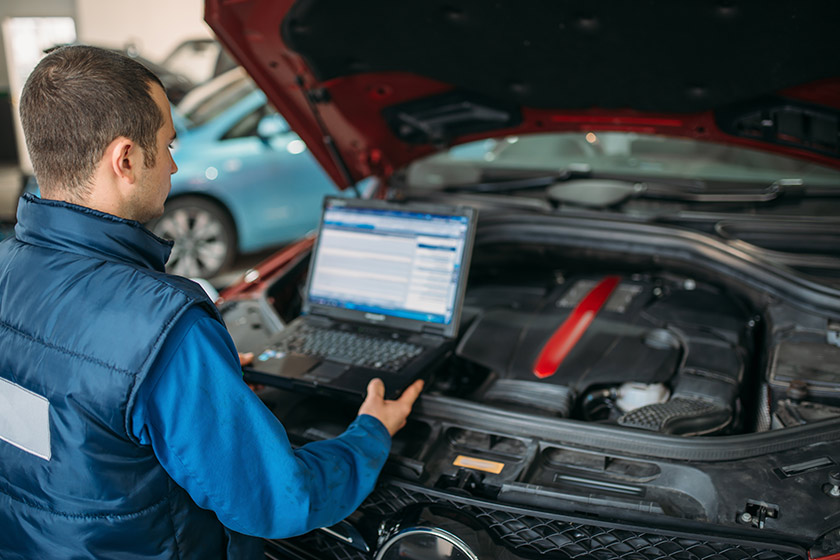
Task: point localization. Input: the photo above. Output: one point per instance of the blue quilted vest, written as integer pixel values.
(85, 306)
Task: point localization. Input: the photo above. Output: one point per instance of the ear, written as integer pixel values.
(124, 159)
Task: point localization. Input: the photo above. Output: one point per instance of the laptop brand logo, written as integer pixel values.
(374, 317)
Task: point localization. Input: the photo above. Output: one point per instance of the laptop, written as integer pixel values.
(383, 298)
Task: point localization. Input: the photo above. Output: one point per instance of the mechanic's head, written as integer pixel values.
(75, 104)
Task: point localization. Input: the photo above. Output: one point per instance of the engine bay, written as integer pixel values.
(630, 346)
(588, 380)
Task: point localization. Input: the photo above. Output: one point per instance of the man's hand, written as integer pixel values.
(392, 414)
(245, 359)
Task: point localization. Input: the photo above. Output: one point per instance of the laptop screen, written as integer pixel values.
(389, 260)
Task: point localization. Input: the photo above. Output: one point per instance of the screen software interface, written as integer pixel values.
(391, 262)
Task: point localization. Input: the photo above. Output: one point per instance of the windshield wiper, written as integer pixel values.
(789, 188)
(611, 189)
(496, 180)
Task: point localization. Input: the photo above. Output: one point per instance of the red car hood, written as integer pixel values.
(371, 86)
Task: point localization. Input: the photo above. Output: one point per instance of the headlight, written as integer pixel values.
(423, 543)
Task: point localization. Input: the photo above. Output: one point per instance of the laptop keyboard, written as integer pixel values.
(357, 349)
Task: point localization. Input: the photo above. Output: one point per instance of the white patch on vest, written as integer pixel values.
(25, 419)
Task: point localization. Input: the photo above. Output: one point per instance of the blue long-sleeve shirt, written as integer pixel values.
(218, 441)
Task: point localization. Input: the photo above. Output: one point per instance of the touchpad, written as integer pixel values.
(293, 366)
(326, 371)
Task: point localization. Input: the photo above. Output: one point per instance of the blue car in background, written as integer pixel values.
(245, 181)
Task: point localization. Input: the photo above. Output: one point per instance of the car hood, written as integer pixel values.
(373, 86)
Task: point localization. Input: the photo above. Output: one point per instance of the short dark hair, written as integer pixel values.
(76, 101)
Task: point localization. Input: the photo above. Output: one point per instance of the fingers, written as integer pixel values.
(245, 359)
(255, 387)
(392, 414)
(411, 393)
(376, 389)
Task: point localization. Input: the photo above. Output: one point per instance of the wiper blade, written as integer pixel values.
(608, 189)
(784, 187)
(508, 180)
(603, 192)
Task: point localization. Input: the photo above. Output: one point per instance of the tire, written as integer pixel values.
(204, 236)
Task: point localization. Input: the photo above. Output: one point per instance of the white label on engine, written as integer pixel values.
(25, 419)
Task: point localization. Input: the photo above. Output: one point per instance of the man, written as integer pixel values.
(125, 427)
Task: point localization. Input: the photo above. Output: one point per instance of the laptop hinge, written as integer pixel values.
(432, 329)
(319, 320)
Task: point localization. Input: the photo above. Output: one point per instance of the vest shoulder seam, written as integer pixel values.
(130, 515)
(148, 273)
(66, 350)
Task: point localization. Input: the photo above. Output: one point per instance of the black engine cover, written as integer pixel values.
(688, 336)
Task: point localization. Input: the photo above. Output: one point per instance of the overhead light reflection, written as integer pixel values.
(296, 147)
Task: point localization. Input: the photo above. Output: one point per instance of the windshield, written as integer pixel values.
(619, 153)
(219, 101)
(194, 59)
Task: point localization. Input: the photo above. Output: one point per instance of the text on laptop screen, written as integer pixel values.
(390, 262)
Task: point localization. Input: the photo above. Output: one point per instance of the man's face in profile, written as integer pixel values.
(154, 183)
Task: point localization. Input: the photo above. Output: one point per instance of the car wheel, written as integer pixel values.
(204, 236)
